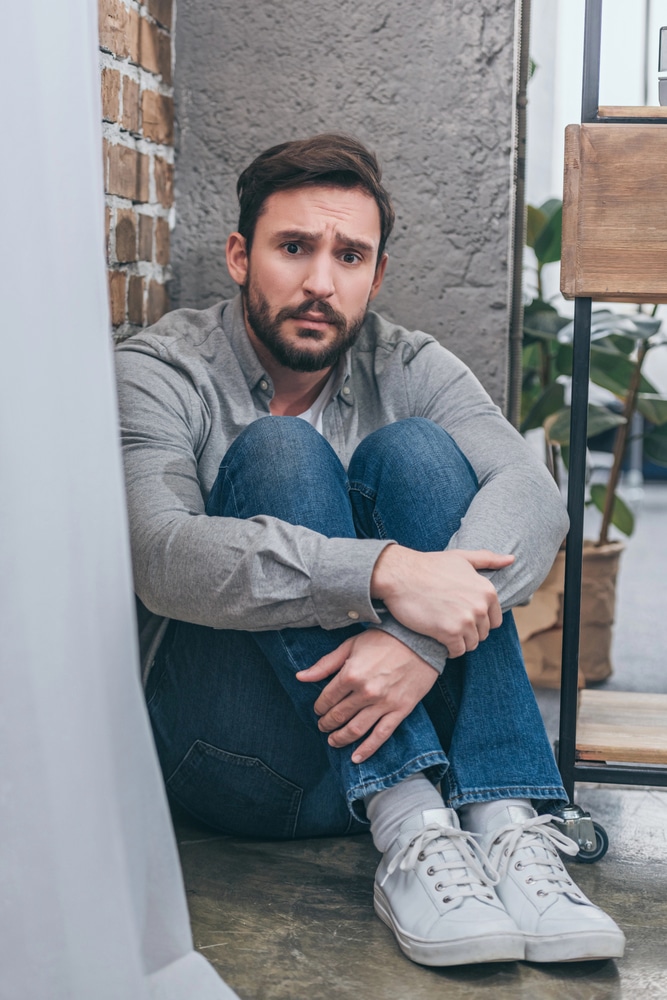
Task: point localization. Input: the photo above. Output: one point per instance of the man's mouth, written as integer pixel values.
(313, 319)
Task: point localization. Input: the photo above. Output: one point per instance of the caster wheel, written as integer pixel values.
(598, 851)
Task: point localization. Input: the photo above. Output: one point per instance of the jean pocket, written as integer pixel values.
(236, 794)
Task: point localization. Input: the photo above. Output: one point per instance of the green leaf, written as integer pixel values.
(621, 515)
(619, 342)
(655, 445)
(538, 306)
(557, 426)
(548, 241)
(605, 324)
(536, 220)
(614, 372)
(564, 359)
(541, 320)
(647, 326)
(599, 420)
(654, 408)
(549, 402)
(551, 206)
(531, 357)
(565, 455)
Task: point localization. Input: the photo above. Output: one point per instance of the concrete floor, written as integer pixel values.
(295, 921)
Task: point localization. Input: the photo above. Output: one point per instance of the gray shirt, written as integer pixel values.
(190, 384)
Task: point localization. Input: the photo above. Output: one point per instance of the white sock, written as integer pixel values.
(478, 817)
(387, 810)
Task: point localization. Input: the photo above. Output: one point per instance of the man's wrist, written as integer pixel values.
(384, 576)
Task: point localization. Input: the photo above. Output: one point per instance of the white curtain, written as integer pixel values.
(91, 899)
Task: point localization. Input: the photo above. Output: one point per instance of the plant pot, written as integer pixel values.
(540, 623)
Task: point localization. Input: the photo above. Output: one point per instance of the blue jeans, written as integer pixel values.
(235, 730)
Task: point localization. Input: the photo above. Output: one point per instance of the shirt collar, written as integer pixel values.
(233, 323)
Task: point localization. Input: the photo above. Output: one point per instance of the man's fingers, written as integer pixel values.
(341, 711)
(334, 693)
(326, 665)
(495, 615)
(455, 648)
(357, 727)
(381, 733)
(485, 559)
(483, 628)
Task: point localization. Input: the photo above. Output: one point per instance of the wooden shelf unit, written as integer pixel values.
(614, 248)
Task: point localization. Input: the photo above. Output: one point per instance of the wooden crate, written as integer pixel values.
(615, 212)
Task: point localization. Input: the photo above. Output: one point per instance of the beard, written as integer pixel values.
(290, 354)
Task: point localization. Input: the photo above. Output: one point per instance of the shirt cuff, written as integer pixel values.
(341, 580)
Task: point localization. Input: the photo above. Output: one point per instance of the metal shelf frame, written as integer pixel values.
(572, 771)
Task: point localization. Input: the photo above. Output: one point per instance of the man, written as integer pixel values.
(333, 515)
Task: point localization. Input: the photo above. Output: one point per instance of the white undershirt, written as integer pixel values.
(313, 415)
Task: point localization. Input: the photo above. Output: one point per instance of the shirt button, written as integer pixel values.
(353, 614)
(346, 392)
(264, 384)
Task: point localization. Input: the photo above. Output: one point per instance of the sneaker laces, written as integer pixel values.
(469, 870)
(537, 845)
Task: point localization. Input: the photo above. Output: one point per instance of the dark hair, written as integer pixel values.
(331, 158)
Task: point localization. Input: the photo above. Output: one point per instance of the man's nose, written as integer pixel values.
(318, 282)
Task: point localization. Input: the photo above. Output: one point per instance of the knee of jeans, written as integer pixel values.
(270, 442)
(281, 466)
(413, 440)
(266, 432)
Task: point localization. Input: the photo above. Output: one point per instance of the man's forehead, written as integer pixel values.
(319, 208)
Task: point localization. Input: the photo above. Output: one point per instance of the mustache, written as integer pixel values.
(320, 306)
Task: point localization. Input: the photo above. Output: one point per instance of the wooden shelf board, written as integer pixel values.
(632, 111)
(622, 726)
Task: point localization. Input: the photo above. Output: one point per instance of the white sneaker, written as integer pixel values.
(560, 924)
(434, 889)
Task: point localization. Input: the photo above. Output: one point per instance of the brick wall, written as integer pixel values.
(138, 129)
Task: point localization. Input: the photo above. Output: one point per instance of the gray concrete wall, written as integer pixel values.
(427, 84)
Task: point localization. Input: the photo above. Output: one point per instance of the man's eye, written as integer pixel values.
(292, 248)
(351, 258)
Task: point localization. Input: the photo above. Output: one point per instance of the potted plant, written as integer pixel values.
(619, 347)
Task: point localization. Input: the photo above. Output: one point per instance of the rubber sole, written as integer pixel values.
(462, 951)
(590, 946)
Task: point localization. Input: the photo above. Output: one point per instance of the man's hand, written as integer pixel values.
(441, 594)
(377, 684)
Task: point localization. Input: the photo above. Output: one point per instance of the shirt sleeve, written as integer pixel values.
(518, 508)
(255, 574)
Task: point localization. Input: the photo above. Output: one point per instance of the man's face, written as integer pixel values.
(311, 273)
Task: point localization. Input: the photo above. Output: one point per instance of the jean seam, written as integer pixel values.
(443, 691)
(420, 763)
(252, 761)
(229, 482)
(366, 491)
(370, 494)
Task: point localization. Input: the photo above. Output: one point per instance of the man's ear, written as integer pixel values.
(237, 258)
(379, 275)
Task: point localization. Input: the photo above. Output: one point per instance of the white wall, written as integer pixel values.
(554, 93)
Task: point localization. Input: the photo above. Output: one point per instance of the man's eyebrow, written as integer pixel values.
(353, 242)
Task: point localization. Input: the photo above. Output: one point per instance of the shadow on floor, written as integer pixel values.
(295, 920)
